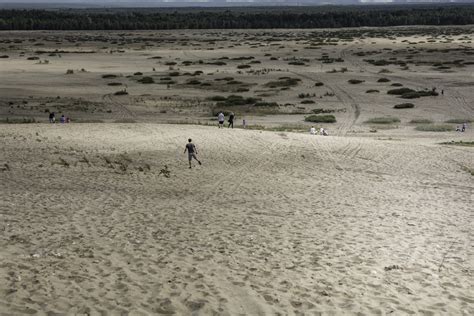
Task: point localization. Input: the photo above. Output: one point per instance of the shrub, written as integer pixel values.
(372, 91)
(318, 84)
(138, 74)
(4, 56)
(170, 63)
(109, 76)
(243, 66)
(121, 92)
(296, 63)
(33, 58)
(383, 80)
(383, 120)
(114, 84)
(459, 121)
(404, 106)
(321, 118)
(69, 72)
(355, 81)
(400, 91)
(174, 74)
(396, 84)
(307, 102)
(421, 121)
(434, 128)
(217, 98)
(193, 82)
(146, 80)
(283, 82)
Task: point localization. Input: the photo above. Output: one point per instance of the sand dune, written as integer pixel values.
(271, 223)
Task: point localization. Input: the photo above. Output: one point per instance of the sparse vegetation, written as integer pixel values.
(434, 128)
(355, 81)
(459, 120)
(404, 106)
(421, 121)
(383, 120)
(321, 118)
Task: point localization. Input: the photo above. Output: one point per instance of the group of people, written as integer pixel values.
(461, 129)
(62, 119)
(322, 131)
(221, 119)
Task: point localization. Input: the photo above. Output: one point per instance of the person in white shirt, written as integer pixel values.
(220, 118)
(312, 130)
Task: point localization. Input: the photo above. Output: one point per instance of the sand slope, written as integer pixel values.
(271, 223)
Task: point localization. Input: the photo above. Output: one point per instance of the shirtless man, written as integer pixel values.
(192, 152)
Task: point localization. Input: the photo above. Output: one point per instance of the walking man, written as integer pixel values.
(231, 119)
(220, 118)
(192, 152)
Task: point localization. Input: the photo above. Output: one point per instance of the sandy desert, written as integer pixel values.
(102, 216)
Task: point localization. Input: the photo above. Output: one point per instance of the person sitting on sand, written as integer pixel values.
(192, 152)
(458, 129)
(52, 117)
(321, 131)
(464, 127)
(62, 119)
(312, 130)
(324, 132)
(220, 118)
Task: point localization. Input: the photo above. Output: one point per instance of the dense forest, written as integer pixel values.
(239, 18)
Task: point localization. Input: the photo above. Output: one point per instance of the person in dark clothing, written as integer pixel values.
(231, 119)
(192, 152)
(52, 117)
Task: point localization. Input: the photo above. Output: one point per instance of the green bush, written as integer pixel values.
(383, 120)
(321, 118)
(372, 91)
(400, 91)
(307, 102)
(109, 76)
(355, 81)
(459, 121)
(404, 106)
(146, 80)
(421, 121)
(383, 80)
(318, 84)
(243, 66)
(434, 128)
(122, 92)
(268, 104)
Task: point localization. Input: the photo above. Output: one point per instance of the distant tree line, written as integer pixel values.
(239, 18)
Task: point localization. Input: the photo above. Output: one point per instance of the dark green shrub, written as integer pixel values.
(400, 91)
(383, 80)
(355, 81)
(404, 106)
(146, 80)
(321, 118)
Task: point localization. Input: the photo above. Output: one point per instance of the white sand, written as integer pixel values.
(271, 223)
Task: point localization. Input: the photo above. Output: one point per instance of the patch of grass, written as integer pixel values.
(459, 121)
(434, 128)
(25, 120)
(243, 66)
(307, 102)
(404, 106)
(400, 91)
(146, 80)
(383, 80)
(383, 120)
(114, 84)
(121, 92)
(109, 76)
(459, 143)
(283, 82)
(396, 84)
(266, 104)
(355, 81)
(328, 118)
(421, 121)
(318, 84)
(372, 91)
